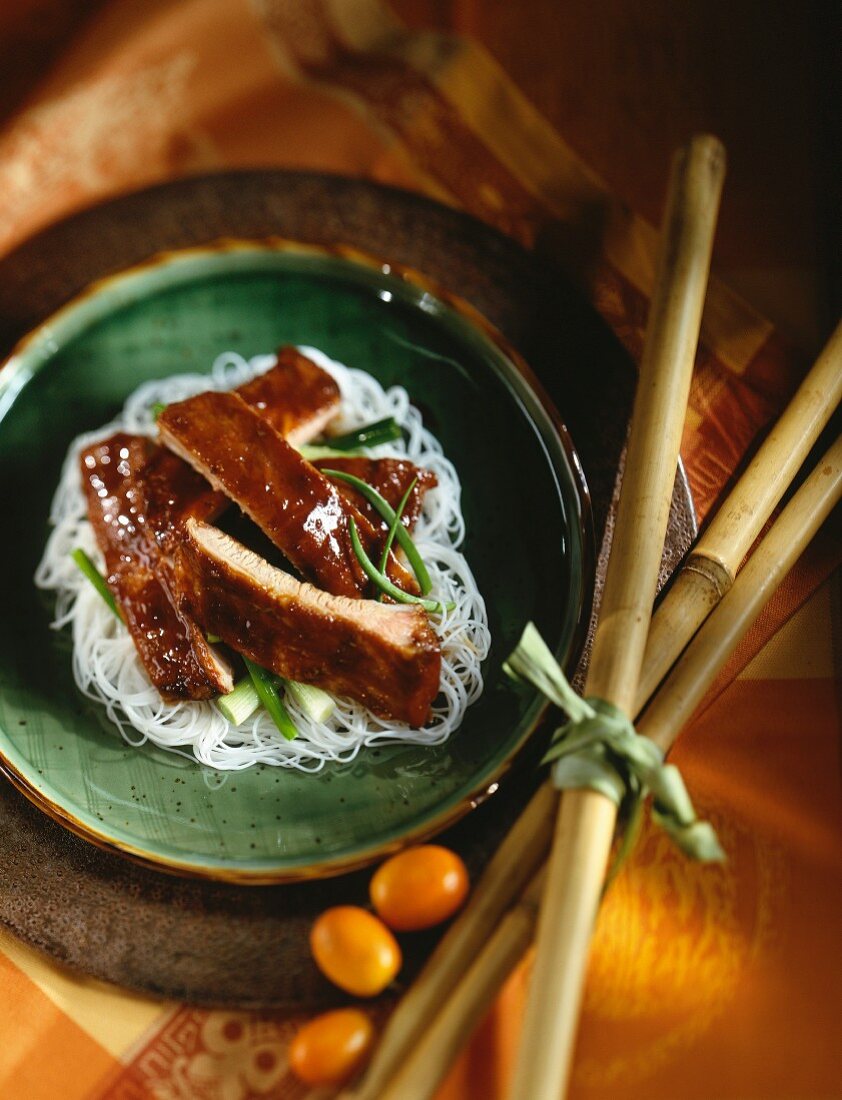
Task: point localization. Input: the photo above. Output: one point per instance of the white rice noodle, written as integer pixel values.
(106, 666)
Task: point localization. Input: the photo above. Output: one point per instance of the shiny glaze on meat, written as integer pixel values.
(306, 517)
(297, 397)
(391, 477)
(386, 657)
(173, 492)
(178, 660)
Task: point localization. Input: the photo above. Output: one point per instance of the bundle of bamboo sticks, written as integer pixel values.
(550, 869)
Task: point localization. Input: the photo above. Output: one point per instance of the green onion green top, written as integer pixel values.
(369, 435)
(393, 530)
(272, 703)
(387, 512)
(96, 578)
(383, 582)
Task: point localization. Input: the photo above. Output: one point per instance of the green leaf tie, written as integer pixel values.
(599, 749)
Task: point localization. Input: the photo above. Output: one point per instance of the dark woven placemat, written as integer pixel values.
(247, 946)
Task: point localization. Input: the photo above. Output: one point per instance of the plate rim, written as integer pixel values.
(237, 871)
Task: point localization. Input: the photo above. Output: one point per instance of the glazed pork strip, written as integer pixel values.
(242, 455)
(296, 396)
(174, 492)
(391, 477)
(174, 652)
(298, 399)
(386, 657)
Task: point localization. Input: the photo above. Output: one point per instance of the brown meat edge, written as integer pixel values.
(387, 658)
(184, 666)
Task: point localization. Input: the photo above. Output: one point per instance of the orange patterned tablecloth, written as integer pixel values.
(703, 983)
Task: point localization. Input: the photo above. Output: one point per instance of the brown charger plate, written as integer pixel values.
(217, 944)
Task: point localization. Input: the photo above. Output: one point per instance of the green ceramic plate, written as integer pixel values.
(522, 503)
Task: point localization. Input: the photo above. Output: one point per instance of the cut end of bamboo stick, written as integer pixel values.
(705, 147)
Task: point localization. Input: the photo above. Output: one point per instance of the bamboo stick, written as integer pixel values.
(517, 857)
(758, 579)
(526, 844)
(418, 1075)
(426, 1063)
(586, 820)
(711, 567)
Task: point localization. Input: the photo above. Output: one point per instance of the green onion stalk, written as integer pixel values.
(271, 700)
(84, 562)
(387, 512)
(384, 584)
(369, 435)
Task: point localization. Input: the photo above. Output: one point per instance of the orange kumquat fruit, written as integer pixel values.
(330, 1049)
(355, 950)
(419, 887)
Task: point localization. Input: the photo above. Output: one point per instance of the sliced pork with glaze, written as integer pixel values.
(296, 396)
(242, 455)
(174, 492)
(386, 657)
(140, 496)
(174, 652)
(391, 477)
(298, 399)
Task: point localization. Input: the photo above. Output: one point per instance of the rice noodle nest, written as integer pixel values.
(106, 666)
